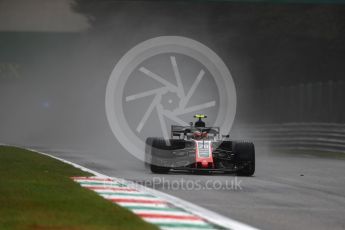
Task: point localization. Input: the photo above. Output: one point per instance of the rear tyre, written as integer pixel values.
(245, 152)
(159, 150)
(148, 149)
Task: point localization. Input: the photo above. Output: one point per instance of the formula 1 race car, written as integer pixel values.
(197, 148)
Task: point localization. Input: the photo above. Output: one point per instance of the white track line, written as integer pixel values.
(210, 216)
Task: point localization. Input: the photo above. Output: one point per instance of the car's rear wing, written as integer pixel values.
(177, 130)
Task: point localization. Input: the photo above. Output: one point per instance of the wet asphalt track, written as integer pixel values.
(287, 192)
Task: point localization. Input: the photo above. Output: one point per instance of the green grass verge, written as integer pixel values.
(36, 192)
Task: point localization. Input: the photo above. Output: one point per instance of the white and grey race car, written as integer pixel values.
(199, 148)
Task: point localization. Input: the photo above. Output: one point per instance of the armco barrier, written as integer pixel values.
(315, 136)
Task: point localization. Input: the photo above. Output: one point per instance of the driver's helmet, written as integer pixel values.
(200, 123)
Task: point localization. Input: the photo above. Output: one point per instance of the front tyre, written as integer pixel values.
(159, 169)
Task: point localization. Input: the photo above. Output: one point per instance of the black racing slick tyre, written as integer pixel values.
(159, 150)
(245, 157)
(148, 149)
